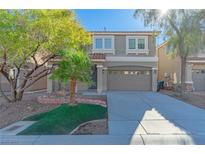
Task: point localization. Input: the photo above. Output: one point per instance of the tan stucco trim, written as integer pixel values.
(132, 59)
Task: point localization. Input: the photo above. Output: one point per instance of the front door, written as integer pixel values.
(94, 78)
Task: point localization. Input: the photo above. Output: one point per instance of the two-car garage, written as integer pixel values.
(129, 78)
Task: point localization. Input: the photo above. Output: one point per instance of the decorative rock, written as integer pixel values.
(52, 100)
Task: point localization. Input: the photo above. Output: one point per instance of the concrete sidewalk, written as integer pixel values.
(136, 118)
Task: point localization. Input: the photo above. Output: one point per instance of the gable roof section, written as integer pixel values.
(161, 45)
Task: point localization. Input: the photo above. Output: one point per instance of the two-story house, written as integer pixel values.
(169, 68)
(123, 60)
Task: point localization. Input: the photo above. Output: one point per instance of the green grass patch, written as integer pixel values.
(39, 116)
(63, 119)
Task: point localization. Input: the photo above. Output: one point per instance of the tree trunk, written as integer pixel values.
(72, 91)
(16, 95)
(13, 95)
(183, 71)
(19, 95)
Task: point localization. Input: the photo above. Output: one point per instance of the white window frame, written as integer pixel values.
(103, 50)
(136, 50)
(94, 42)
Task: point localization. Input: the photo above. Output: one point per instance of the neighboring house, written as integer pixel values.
(169, 69)
(122, 61)
(39, 85)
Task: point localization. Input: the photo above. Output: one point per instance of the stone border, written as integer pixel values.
(75, 129)
(53, 100)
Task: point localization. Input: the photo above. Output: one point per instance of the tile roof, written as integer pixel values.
(97, 56)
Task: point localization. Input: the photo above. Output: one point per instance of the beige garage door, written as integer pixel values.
(129, 78)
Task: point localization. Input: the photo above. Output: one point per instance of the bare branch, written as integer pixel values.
(49, 58)
(36, 75)
(39, 77)
(6, 75)
(4, 95)
(35, 60)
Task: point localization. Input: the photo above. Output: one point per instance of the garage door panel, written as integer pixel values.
(129, 80)
(198, 77)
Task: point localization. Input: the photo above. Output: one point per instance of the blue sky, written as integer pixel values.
(113, 20)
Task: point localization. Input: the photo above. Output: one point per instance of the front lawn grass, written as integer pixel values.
(63, 119)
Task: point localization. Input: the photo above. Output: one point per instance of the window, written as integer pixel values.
(141, 43)
(104, 44)
(132, 43)
(98, 43)
(108, 43)
(137, 44)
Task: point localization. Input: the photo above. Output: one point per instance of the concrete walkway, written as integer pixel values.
(16, 127)
(136, 118)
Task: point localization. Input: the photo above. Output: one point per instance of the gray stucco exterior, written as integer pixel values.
(107, 81)
(120, 46)
(141, 65)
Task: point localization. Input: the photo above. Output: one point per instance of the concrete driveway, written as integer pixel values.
(155, 118)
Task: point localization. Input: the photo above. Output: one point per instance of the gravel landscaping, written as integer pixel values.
(96, 127)
(194, 98)
(13, 112)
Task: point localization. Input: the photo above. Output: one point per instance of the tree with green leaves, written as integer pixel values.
(29, 39)
(183, 29)
(74, 66)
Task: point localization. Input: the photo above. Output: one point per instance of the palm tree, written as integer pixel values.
(74, 66)
(183, 30)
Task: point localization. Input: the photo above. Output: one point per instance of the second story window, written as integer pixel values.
(108, 43)
(98, 43)
(104, 44)
(137, 44)
(132, 43)
(141, 43)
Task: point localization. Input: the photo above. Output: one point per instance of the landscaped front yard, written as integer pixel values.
(53, 118)
(64, 119)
